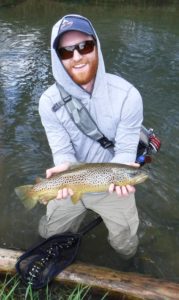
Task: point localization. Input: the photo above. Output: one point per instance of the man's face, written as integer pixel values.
(81, 68)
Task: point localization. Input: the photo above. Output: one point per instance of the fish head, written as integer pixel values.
(140, 177)
(130, 175)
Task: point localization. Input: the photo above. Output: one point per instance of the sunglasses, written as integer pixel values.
(83, 48)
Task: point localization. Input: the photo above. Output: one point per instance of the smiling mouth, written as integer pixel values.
(79, 66)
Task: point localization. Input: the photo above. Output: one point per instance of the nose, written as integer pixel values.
(76, 55)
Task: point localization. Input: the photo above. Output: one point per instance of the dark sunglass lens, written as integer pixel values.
(83, 48)
(86, 47)
(65, 54)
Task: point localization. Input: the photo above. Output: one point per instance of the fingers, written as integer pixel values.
(122, 191)
(64, 193)
(44, 202)
(130, 188)
(70, 191)
(57, 169)
(136, 165)
(111, 188)
(49, 173)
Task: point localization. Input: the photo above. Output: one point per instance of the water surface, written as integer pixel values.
(140, 43)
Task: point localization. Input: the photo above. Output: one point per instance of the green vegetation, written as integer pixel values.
(12, 289)
(160, 3)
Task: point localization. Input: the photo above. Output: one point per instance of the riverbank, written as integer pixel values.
(103, 280)
(12, 289)
(103, 3)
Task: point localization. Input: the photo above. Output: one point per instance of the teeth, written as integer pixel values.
(79, 66)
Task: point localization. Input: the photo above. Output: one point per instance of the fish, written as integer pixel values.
(84, 178)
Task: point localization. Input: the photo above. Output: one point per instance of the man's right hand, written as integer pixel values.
(65, 192)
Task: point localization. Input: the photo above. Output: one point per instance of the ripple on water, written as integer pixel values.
(145, 52)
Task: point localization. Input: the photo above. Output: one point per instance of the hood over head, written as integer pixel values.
(73, 23)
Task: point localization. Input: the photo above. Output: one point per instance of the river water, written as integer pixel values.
(139, 42)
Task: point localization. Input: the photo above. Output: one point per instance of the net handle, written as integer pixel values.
(90, 226)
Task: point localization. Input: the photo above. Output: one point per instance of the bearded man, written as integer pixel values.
(116, 107)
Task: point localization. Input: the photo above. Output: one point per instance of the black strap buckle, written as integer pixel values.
(67, 99)
(105, 143)
(57, 106)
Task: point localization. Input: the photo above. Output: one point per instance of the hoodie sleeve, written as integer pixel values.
(128, 129)
(58, 138)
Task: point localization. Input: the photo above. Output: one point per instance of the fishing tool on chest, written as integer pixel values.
(149, 144)
(40, 264)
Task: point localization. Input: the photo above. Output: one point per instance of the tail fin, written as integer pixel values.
(26, 196)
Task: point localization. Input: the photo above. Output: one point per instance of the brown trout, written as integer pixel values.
(85, 178)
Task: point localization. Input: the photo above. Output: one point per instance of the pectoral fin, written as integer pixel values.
(39, 179)
(76, 197)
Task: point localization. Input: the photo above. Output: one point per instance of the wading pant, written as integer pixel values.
(119, 215)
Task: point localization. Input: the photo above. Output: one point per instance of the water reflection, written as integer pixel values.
(6, 3)
(24, 73)
(143, 48)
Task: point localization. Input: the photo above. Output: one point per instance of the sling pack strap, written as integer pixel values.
(81, 117)
(148, 144)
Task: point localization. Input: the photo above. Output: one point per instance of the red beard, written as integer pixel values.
(86, 71)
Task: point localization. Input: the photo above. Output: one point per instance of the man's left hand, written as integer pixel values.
(122, 191)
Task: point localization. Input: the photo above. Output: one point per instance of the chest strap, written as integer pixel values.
(81, 117)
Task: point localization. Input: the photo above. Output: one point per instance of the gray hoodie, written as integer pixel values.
(115, 105)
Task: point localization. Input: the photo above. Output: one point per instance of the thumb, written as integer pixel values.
(56, 170)
(49, 173)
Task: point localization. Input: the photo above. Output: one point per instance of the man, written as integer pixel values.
(116, 107)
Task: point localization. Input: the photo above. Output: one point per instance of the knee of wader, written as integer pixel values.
(125, 247)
